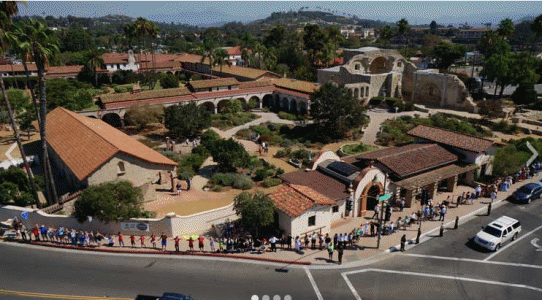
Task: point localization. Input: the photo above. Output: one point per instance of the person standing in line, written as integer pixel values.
(212, 244)
(23, 232)
(402, 204)
(327, 239)
(335, 239)
(164, 241)
(153, 240)
(121, 239)
(377, 210)
(403, 242)
(176, 239)
(200, 244)
(142, 240)
(313, 240)
(132, 240)
(273, 242)
(36, 233)
(289, 241)
(330, 251)
(321, 241)
(340, 253)
(191, 243)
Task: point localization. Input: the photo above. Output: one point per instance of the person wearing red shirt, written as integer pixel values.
(164, 241)
(36, 233)
(142, 239)
(201, 239)
(153, 240)
(176, 239)
(132, 240)
(121, 240)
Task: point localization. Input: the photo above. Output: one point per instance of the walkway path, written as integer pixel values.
(379, 116)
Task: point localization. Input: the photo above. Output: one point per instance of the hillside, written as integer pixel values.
(316, 17)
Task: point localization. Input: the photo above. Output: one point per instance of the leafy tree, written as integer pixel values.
(110, 202)
(228, 154)
(15, 187)
(75, 39)
(93, 61)
(19, 100)
(536, 26)
(385, 34)
(148, 79)
(68, 93)
(233, 106)
(314, 40)
(447, 53)
(256, 211)
(524, 94)
(220, 57)
(124, 77)
(433, 27)
(169, 81)
(141, 115)
(497, 69)
(506, 28)
(186, 121)
(335, 110)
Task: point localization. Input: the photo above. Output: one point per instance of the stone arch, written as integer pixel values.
(302, 107)
(293, 106)
(254, 102)
(429, 93)
(210, 106)
(284, 103)
(221, 104)
(112, 119)
(267, 100)
(379, 65)
(368, 198)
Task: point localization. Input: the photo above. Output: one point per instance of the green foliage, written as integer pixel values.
(150, 143)
(186, 121)
(447, 53)
(279, 172)
(283, 153)
(287, 116)
(353, 149)
(233, 106)
(269, 182)
(508, 160)
(263, 173)
(256, 211)
(228, 154)
(143, 115)
(504, 127)
(168, 81)
(68, 93)
(124, 77)
(109, 202)
(15, 188)
(225, 121)
(208, 138)
(236, 181)
(335, 111)
(18, 99)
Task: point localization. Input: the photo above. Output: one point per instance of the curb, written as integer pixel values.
(181, 253)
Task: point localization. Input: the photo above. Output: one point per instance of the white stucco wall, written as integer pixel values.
(136, 170)
(369, 176)
(325, 156)
(299, 225)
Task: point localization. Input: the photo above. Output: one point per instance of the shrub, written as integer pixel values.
(286, 143)
(261, 130)
(222, 179)
(150, 143)
(261, 174)
(279, 172)
(284, 129)
(217, 188)
(269, 182)
(376, 101)
(301, 154)
(283, 153)
(242, 182)
(287, 116)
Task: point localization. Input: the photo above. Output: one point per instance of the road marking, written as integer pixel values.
(534, 242)
(351, 286)
(313, 283)
(512, 243)
(450, 277)
(474, 260)
(54, 296)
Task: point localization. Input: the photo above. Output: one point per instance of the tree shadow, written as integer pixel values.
(208, 171)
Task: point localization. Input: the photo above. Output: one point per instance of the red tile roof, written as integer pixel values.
(318, 181)
(142, 95)
(234, 50)
(210, 83)
(410, 159)
(294, 200)
(450, 138)
(85, 144)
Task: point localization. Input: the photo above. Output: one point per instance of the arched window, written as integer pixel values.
(357, 67)
(121, 169)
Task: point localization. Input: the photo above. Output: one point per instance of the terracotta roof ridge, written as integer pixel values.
(465, 134)
(296, 188)
(73, 115)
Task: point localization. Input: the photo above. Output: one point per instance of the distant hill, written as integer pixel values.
(316, 17)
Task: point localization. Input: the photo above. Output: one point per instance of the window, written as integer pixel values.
(121, 169)
(312, 221)
(335, 209)
(118, 66)
(399, 64)
(357, 67)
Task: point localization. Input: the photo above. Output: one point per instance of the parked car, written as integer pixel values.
(528, 193)
(498, 232)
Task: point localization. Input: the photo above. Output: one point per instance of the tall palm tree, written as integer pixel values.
(143, 28)
(93, 61)
(259, 49)
(43, 46)
(221, 58)
(506, 28)
(206, 50)
(7, 38)
(403, 29)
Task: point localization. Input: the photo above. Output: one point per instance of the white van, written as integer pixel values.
(498, 232)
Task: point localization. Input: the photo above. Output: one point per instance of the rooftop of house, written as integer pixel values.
(450, 138)
(85, 144)
(324, 184)
(293, 199)
(296, 85)
(143, 95)
(210, 83)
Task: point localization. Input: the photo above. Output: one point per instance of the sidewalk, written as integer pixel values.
(366, 247)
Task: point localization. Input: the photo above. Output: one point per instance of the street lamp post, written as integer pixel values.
(381, 214)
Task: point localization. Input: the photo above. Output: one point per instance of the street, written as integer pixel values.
(447, 267)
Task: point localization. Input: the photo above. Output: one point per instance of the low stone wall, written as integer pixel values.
(171, 225)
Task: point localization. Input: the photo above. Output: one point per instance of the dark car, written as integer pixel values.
(528, 193)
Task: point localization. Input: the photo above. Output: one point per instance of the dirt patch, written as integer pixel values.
(7, 139)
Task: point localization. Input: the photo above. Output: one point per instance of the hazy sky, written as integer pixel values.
(207, 12)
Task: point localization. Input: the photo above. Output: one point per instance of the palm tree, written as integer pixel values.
(43, 46)
(403, 29)
(386, 34)
(93, 61)
(220, 57)
(206, 50)
(144, 28)
(327, 54)
(7, 10)
(259, 49)
(506, 28)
